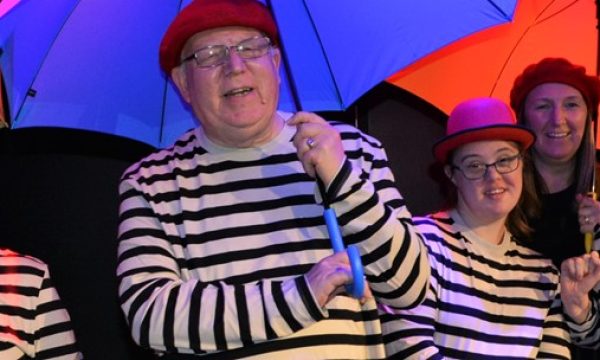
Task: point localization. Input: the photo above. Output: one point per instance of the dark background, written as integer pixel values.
(58, 202)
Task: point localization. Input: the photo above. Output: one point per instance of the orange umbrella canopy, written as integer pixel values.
(486, 63)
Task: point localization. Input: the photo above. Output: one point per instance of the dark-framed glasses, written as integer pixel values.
(215, 55)
(476, 170)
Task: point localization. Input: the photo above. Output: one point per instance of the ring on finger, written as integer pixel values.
(586, 219)
(310, 142)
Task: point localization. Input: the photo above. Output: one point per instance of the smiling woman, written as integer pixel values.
(558, 100)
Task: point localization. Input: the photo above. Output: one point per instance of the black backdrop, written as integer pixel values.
(58, 202)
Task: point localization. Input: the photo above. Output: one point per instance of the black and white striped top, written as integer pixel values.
(214, 243)
(33, 322)
(484, 301)
(587, 334)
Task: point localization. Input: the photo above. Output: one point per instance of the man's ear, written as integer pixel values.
(180, 80)
(276, 57)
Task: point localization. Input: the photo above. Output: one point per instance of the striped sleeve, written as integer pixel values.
(409, 334)
(555, 336)
(35, 323)
(587, 334)
(373, 214)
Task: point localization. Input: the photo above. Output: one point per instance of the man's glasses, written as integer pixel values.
(215, 55)
(477, 170)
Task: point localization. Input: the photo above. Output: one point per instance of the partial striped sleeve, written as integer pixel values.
(35, 323)
(373, 214)
(555, 336)
(587, 334)
(410, 334)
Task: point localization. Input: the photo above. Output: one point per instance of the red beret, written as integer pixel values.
(202, 15)
(555, 70)
(480, 119)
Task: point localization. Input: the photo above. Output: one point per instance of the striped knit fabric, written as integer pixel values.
(587, 334)
(214, 243)
(484, 301)
(33, 322)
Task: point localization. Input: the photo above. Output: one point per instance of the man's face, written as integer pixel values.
(237, 98)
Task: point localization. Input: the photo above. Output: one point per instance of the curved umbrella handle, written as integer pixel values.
(357, 288)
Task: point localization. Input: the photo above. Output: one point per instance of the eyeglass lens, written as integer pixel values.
(214, 55)
(478, 170)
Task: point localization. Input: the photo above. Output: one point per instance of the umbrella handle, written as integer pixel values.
(589, 236)
(357, 288)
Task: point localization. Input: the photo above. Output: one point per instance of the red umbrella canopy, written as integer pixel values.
(486, 63)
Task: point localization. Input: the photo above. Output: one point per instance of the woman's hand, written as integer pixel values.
(588, 213)
(579, 275)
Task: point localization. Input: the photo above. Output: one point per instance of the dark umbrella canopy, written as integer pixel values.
(92, 64)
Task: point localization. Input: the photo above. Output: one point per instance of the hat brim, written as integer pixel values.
(521, 135)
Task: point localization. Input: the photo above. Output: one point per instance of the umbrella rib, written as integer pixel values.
(337, 89)
(292, 83)
(564, 8)
(536, 22)
(163, 114)
(500, 10)
(30, 90)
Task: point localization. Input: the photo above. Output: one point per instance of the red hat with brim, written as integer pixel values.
(480, 119)
(201, 15)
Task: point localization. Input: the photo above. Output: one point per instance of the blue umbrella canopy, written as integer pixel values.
(93, 64)
(337, 50)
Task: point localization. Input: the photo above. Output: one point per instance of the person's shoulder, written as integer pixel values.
(11, 258)
(526, 254)
(351, 132)
(161, 158)
(440, 218)
(434, 227)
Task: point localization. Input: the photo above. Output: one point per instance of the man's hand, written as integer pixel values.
(328, 277)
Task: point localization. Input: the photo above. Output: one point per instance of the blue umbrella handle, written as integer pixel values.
(357, 288)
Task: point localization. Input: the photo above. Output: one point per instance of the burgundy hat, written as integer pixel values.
(202, 15)
(555, 70)
(480, 119)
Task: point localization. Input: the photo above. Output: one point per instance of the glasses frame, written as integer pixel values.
(518, 157)
(228, 48)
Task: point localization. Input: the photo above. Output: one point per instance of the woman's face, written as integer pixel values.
(557, 114)
(494, 195)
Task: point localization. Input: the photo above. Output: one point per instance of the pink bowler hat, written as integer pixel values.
(480, 119)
